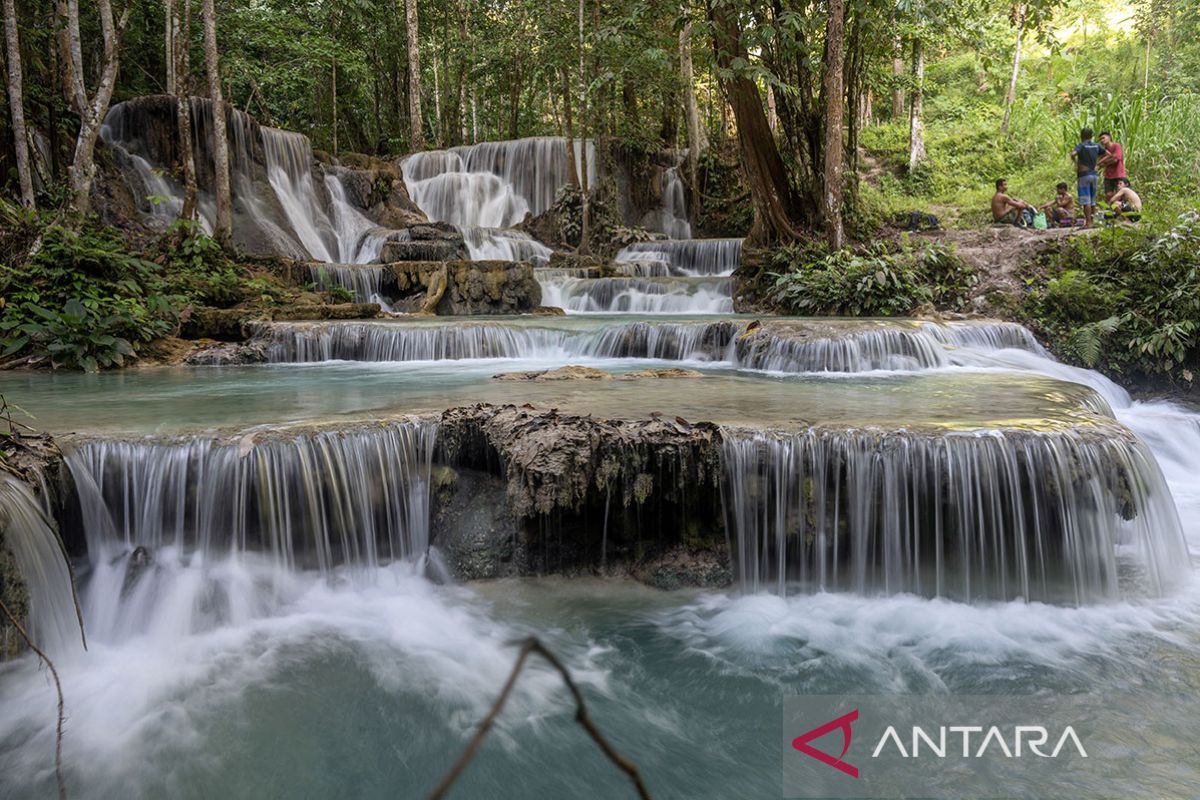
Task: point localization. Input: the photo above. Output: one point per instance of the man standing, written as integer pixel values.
(1009, 210)
(1086, 156)
(1113, 161)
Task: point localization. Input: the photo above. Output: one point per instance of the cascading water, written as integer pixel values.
(674, 215)
(638, 295)
(41, 564)
(321, 500)
(893, 348)
(486, 189)
(1002, 515)
(689, 257)
(365, 283)
(292, 212)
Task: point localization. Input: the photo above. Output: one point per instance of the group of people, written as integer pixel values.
(1089, 158)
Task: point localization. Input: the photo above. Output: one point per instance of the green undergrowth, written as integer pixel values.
(880, 279)
(1125, 301)
(80, 296)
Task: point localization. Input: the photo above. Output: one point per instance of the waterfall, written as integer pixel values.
(322, 499)
(689, 257)
(491, 184)
(674, 215)
(30, 536)
(498, 244)
(637, 295)
(292, 211)
(998, 515)
(365, 283)
(897, 347)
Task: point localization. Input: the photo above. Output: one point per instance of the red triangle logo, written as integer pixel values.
(842, 723)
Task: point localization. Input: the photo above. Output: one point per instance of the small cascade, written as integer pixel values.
(638, 295)
(491, 184)
(688, 257)
(499, 244)
(42, 565)
(364, 282)
(872, 348)
(674, 215)
(1063, 516)
(316, 500)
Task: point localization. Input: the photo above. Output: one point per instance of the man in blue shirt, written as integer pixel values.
(1086, 155)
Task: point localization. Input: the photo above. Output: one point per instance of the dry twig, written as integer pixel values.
(58, 771)
(532, 646)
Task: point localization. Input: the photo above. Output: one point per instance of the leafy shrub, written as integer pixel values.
(872, 281)
(82, 300)
(1126, 301)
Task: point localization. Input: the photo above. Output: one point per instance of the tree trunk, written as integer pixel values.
(170, 29)
(416, 131)
(835, 35)
(770, 192)
(93, 113)
(916, 125)
(569, 131)
(437, 103)
(181, 36)
(333, 92)
(223, 230)
(1011, 96)
(697, 141)
(585, 212)
(897, 73)
(16, 104)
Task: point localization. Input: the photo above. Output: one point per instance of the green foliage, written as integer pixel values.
(876, 280)
(1126, 301)
(82, 300)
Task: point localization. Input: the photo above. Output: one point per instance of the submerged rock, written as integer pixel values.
(573, 372)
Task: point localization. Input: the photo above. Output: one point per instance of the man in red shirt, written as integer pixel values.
(1113, 162)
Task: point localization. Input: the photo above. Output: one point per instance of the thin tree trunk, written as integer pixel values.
(223, 230)
(416, 131)
(770, 192)
(93, 113)
(835, 34)
(897, 73)
(916, 125)
(1011, 96)
(697, 141)
(16, 104)
(437, 103)
(474, 118)
(585, 223)
(181, 37)
(75, 50)
(569, 131)
(333, 91)
(170, 29)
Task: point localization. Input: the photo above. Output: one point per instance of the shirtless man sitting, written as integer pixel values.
(1008, 210)
(1061, 210)
(1125, 201)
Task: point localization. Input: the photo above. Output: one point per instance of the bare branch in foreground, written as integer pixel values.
(58, 772)
(532, 646)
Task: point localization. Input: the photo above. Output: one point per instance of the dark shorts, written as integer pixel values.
(1087, 190)
(1111, 185)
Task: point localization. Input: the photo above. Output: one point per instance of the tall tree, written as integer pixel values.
(833, 91)
(897, 79)
(223, 229)
(16, 103)
(91, 110)
(697, 141)
(916, 106)
(181, 36)
(416, 131)
(1011, 96)
(770, 192)
(585, 190)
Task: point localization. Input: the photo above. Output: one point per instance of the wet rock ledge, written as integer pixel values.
(527, 492)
